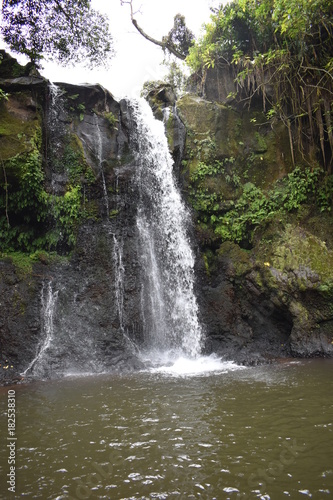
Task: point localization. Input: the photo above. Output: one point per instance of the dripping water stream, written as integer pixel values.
(48, 305)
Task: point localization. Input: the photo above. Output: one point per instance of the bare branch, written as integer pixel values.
(165, 45)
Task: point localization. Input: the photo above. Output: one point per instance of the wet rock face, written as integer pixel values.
(19, 320)
(88, 331)
(271, 296)
(268, 301)
(92, 334)
(272, 301)
(242, 320)
(218, 84)
(163, 101)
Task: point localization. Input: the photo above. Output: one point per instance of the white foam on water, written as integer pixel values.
(169, 364)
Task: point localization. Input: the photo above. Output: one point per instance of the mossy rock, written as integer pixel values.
(10, 68)
(207, 121)
(160, 95)
(262, 152)
(18, 126)
(240, 259)
(299, 249)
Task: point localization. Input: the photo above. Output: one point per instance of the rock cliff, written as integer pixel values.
(68, 217)
(68, 211)
(264, 241)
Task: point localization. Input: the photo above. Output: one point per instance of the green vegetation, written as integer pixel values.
(24, 262)
(245, 181)
(176, 42)
(75, 107)
(3, 95)
(236, 219)
(281, 50)
(34, 218)
(31, 218)
(112, 119)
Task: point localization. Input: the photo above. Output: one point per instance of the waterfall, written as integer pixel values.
(169, 306)
(56, 132)
(48, 302)
(99, 154)
(119, 278)
(56, 121)
(56, 107)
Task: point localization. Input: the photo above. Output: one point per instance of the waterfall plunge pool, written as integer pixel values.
(259, 432)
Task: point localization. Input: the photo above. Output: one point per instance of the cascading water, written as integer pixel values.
(169, 306)
(48, 303)
(56, 132)
(56, 108)
(99, 153)
(119, 278)
(144, 306)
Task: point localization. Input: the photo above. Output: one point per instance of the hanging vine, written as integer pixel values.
(6, 190)
(282, 56)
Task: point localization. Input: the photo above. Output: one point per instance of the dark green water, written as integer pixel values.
(264, 432)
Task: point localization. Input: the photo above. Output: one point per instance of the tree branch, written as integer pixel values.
(164, 44)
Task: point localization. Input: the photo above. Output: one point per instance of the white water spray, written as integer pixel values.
(170, 309)
(56, 106)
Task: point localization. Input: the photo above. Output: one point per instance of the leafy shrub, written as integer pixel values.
(236, 220)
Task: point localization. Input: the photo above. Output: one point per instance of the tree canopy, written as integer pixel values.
(65, 31)
(281, 50)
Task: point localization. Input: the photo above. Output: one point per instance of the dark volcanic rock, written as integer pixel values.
(77, 298)
(272, 300)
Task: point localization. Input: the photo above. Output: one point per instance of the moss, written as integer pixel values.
(16, 133)
(206, 263)
(300, 312)
(170, 128)
(266, 154)
(298, 248)
(262, 154)
(24, 262)
(241, 259)
(210, 124)
(21, 261)
(320, 224)
(113, 213)
(326, 289)
(260, 145)
(90, 210)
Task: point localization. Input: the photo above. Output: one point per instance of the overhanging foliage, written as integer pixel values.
(281, 50)
(66, 31)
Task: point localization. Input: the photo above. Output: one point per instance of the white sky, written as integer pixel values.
(137, 60)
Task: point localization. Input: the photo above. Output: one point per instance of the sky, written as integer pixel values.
(137, 60)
